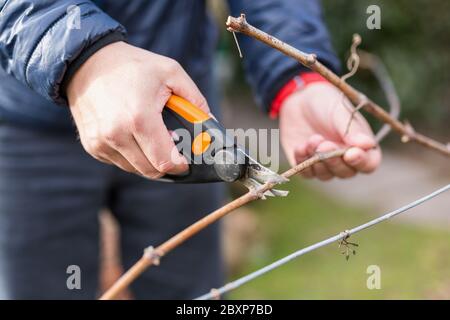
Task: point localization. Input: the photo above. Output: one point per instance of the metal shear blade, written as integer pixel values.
(257, 175)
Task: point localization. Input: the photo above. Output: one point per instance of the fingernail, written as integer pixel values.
(353, 156)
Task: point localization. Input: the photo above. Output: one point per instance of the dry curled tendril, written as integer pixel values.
(348, 246)
(352, 65)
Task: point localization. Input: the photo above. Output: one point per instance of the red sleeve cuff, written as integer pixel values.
(297, 83)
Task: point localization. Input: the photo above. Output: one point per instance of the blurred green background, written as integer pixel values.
(414, 45)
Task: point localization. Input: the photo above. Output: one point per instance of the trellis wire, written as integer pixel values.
(215, 293)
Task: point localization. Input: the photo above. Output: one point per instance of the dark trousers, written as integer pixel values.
(51, 192)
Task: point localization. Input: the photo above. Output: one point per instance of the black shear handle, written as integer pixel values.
(211, 154)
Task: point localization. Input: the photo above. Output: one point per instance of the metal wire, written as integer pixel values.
(215, 293)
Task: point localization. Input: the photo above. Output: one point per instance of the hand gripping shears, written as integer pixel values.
(212, 154)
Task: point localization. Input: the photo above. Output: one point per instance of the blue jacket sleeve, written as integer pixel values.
(40, 39)
(296, 22)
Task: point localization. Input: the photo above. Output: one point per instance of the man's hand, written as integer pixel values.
(116, 99)
(315, 120)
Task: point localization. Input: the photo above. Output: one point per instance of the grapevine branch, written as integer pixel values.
(152, 255)
(357, 98)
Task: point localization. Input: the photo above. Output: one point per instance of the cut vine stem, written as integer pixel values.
(357, 98)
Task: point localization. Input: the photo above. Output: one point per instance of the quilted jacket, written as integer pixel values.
(43, 42)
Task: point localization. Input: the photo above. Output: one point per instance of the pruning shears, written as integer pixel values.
(212, 154)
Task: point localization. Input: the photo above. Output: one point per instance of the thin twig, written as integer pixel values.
(339, 237)
(353, 113)
(241, 25)
(159, 252)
